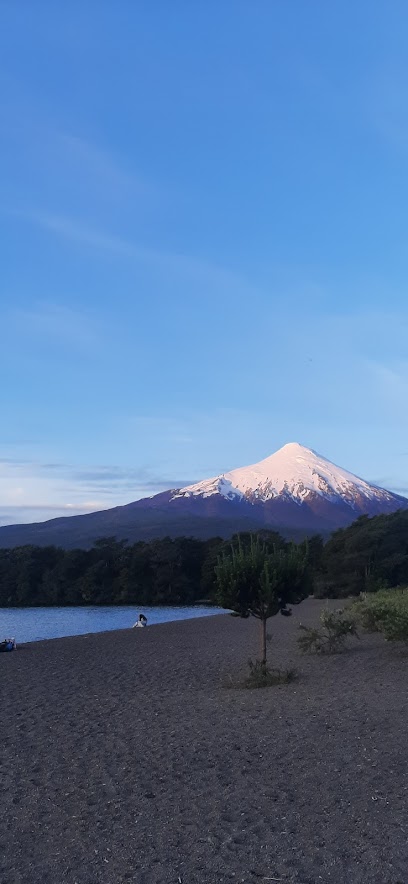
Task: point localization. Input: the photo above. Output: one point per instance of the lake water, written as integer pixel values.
(35, 624)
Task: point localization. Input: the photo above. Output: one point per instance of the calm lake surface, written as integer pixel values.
(35, 624)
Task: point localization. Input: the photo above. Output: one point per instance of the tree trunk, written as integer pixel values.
(263, 642)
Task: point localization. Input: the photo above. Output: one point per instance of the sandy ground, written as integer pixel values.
(124, 758)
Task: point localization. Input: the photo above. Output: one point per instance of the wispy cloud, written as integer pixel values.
(13, 515)
(55, 322)
(113, 481)
(75, 231)
(391, 381)
(32, 491)
(400, 489)
(94, 162)
(84, 161)
(188, 266)
(386, 104)
(391, 484)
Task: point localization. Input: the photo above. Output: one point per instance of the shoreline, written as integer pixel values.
(129, 760)
(43, 624)
(113, 632)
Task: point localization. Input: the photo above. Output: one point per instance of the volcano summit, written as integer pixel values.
(295, 491)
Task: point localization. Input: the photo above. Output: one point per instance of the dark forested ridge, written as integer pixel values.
(143, 521)
(369, 554)
(162, 572)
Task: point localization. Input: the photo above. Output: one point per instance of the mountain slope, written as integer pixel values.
(294, 490)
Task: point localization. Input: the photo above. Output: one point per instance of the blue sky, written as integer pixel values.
(204, 244)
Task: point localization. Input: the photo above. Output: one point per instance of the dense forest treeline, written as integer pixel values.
(371, 553)
(159, 572)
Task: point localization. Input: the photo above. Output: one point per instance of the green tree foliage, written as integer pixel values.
(165, 571)
(385, 612)
(256, 580)
(168, 572)
(368, 555)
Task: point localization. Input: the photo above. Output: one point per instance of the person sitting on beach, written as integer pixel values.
(142, 621)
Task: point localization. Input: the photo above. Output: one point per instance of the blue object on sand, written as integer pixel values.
(7, 645)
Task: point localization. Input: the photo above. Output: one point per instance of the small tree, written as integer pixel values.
(254, 581)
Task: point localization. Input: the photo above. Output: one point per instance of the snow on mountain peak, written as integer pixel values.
(293, 472)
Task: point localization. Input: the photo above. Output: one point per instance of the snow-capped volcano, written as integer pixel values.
(294, 491)
(294, 473)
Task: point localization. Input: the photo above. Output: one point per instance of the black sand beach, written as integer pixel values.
(124, 759)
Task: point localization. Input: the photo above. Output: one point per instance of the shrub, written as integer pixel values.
(385, 612)
(370, 611)
(261, 676)
(337, 626)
